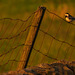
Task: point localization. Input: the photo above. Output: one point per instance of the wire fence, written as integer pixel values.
(55, 41)
(13, 33)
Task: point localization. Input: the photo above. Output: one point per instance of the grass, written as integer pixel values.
(22, 9)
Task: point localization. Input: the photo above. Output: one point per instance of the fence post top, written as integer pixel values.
(42, 7)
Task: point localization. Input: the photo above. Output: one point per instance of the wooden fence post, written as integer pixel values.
(38, 16)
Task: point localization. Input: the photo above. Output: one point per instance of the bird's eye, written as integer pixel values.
(65, 16)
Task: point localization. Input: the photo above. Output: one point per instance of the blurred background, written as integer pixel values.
(22, 8)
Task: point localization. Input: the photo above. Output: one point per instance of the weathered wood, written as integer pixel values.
(31, 37)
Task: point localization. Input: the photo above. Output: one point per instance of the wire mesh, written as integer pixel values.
(13, 34)
(55, 41)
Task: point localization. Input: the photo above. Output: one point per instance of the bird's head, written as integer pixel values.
(67, 15)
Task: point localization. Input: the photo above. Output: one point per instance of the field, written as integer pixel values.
(55, 26)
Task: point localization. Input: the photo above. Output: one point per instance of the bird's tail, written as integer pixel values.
(73, 18)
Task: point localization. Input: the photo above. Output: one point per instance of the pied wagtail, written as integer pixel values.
(69, 18)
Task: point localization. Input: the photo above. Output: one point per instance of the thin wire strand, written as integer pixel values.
(18, 50)
(62, 42)
(71, 55)
(8, 38)
(19, 19)
(54, 36)
(4, 34)
(60, 17)
(57, 39)
(5, 55)
(68, 51)
(8, 42)
(14, 43)
(2, 26)
(45, 54)
(45, 35)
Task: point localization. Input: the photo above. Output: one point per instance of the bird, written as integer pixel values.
(69, 18)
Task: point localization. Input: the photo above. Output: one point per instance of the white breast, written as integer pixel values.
(68, 20)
